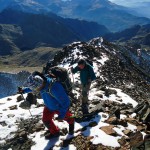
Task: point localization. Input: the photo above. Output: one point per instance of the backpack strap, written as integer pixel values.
(49, 88)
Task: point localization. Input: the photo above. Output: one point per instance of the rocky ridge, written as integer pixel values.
(105, 101)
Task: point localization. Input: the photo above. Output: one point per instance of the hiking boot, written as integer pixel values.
(50, 136)
(71, 128)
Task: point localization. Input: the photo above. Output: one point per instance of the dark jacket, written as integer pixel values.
(86, 74)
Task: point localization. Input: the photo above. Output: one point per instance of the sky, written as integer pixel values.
(129, 2)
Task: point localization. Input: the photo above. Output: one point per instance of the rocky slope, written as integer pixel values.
(116, 122)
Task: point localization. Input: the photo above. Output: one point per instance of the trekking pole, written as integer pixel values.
(72, 76)
(29, 108)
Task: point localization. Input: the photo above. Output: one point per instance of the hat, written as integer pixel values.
(34, 82)
(81, 61)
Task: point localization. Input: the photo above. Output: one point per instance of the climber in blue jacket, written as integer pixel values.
(56, 102)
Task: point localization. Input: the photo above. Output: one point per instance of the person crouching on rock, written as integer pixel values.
(56, 102)
(87, 75)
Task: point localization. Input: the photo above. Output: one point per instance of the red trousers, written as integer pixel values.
(48, 119)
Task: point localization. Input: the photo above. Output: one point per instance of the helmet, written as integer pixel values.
(34, 82)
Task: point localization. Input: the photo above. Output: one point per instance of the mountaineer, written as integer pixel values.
(56, 102)
(87, 75)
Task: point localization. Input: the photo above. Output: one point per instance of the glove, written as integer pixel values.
(20, 90)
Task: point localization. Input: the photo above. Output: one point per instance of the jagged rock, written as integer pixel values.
(13, 107)
(127, 132)
(126, 146)
(147, 142)
(127, 111)
(141, 128)
(9, 99)
(39, 127)
(25, 105)
(132, 121)
(108, 92)
(18, 144)
(90, 138)
(119, 99)
(97, 108)
(129, 105)
(3, 123)
(104, 116)
(146, 117)
(122, 122)
(136, 139)
(10, 115)
(95, 102)
(109, 130)
(20, 98)
(31, 98)
(23, 134)
(117, 112)
(103, 88)
(99, 95)
(84, 143)
(148, 127)
(4, 109)
(112, 120)
(122, 141)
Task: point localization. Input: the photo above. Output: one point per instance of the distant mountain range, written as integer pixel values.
(25, 31)
(136, 35)
(142, 9)
(113, 16)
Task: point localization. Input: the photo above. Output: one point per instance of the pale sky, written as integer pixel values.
(128, 2)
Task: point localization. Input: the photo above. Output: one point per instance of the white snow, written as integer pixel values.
(41, 143)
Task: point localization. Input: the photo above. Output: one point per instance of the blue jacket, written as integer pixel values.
(57, 100)
(86, 74)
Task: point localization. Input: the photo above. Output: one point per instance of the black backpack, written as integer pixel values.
(61, 75)
(58, 74)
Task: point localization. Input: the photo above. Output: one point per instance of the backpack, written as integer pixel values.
(58, 74)
(61, 75)
(46, 68)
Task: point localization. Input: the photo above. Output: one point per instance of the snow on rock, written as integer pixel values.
(109, 91)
